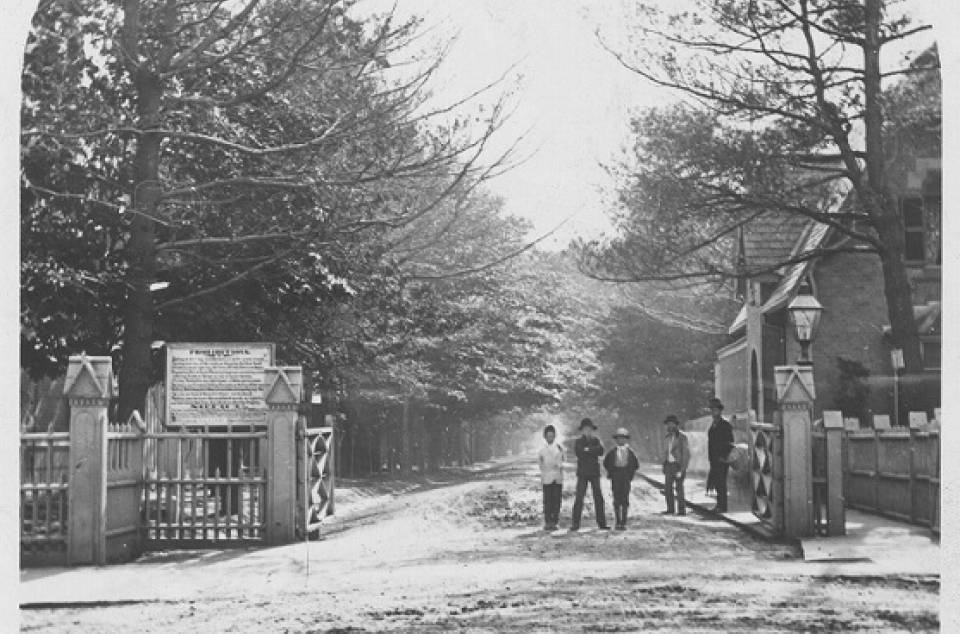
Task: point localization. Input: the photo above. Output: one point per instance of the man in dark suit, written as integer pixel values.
(588, 450)
(719, 444)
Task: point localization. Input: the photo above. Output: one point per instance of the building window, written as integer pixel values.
(930, 350)
(922, 222)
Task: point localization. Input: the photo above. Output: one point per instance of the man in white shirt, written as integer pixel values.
(551, 476)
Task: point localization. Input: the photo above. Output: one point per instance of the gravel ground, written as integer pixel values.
(470, 556)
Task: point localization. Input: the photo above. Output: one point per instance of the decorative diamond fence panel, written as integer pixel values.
(766, 474)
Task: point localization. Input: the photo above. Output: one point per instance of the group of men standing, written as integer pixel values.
(621, 464)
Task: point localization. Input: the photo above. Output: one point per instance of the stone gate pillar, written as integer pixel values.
(795, 394)
(283, 392)
(88, 388)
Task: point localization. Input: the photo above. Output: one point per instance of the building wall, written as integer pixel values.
(850, 287)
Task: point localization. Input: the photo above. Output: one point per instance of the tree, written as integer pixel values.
(206, 158)
(784, 114)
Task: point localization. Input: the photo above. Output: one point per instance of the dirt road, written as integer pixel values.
(471, 556)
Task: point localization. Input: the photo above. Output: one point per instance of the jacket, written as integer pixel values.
(588, 453)
(680, 451)
(551, 464)
(719, 440)
(613, 471)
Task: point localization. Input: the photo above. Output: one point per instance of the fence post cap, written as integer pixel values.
(832, 419)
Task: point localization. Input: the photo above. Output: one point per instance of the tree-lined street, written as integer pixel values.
(471, 555)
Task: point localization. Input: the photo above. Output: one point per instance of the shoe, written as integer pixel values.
(621, 527)
(666, 512)
(574, 529)
(604, 527)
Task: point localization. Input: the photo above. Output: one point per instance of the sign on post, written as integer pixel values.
(217, 384)
(896, 359)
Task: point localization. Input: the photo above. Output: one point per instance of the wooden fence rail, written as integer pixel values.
(894, 472)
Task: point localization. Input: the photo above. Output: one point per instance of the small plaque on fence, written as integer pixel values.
(851, 424)
(881, 421)
(918, 419)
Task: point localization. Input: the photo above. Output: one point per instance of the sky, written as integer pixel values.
(573, 99)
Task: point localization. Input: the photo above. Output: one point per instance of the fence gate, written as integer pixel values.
(203, 487)
(315, 479)
(44, 484)
(766, 474)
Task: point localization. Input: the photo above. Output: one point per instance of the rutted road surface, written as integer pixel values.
(471, 556)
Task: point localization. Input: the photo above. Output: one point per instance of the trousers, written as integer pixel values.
(597, 499)
(673, 481)
(621, 491)
(718, 476)
(552, 495)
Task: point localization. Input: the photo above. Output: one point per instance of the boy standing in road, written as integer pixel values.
(551, 476)
(588, 450)
(719, 444)
(621, 463)
(676, 458)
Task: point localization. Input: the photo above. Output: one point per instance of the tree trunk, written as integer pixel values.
(405, 453)
(140, 253)
(886, 217)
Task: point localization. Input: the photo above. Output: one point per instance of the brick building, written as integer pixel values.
(850, 288)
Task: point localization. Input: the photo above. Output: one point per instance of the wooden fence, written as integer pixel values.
(894, 472)
(44, 497)
(104, 492)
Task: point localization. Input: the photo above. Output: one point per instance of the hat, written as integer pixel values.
(586, 422)
(671, 419)
(715, 403)
(549, 428)
(621, 433)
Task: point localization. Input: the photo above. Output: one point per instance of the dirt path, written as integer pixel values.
(471, 556)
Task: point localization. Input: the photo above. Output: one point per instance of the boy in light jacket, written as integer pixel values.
(551, 476)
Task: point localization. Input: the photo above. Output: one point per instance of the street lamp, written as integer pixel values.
(805, 313)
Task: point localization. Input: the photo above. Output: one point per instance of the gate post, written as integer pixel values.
(836, 514)
(283, 392)
(88, 388)
(795, 393)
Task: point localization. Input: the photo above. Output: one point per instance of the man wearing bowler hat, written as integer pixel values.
(719, 444)
(676, 458)
(621, 463)
(588, 450)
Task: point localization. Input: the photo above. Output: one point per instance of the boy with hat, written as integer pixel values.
(551, 477)
(719, 444)
(588, 450)
(676, 458)
(621, 463)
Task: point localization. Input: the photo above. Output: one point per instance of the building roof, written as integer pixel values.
(813, 238)
(771, 238)
(813, 235)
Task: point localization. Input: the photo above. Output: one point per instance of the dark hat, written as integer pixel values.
(549, 428)
(671, 419)
(715, 403)
(586, 422)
